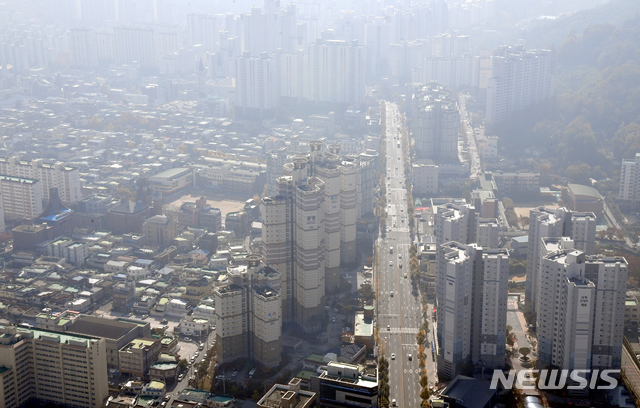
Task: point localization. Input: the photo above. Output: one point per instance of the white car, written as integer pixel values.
(393, 356)
(390, 263)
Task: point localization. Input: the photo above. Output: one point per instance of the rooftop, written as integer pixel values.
(100, 327)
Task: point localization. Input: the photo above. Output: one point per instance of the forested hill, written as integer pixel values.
(545, 33)
(594, 120)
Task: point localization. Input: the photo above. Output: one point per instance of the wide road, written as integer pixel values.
(399, 309)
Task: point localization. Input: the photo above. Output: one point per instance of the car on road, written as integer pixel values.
(333, 320)
(391, 293)
(393, 356)
(234, 374)
(409, 357)
(394, 403)
(145, 316)
(389, 327)
(390, 263)
(400, 264)
(164, 321)
(399, 256)
(405, 275)
(180, 377)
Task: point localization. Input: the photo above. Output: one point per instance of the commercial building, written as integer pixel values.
(160, 230)
(471, 288)
(345, 385)
(425, 178)
(116, 333)
(436, 122)
(21, 197)
(137, 357)
(172, 180)
(248, 314)
(583, 198)
(520, 78)
(57, 367)
(58, 175)
(519, 182)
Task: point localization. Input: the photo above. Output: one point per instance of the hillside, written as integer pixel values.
(542, 33)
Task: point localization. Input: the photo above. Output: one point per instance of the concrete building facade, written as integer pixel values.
(471, 288)
(249, 314)
(52, 366)
(57, 175)
(519, 78)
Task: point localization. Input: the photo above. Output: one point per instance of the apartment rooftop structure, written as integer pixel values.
(288, 396)
(345, 385)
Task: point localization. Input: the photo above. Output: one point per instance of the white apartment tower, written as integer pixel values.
(471, 287)
(437, 122)
(136, 44)
(249, 314)
(256, 83)
(630, 179)
(490, 304)
(455, 222)
(65, 178)
(82, 42)
(203, 29)
(519, 78)
(69, 370)
(488, 232)
(580, 227)
(581, 311)
(335, 72)
(21, 197)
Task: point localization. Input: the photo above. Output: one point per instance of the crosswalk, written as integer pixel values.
(403, 330)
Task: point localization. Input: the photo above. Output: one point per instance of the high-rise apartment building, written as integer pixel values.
(256, 83)
(82, 42)
(277, 246)
(488, 232)
(136, 44)
(309, 226)
(58, 367)
(335, 72)
(471, 287)
(455, 222)
(520, 78)
(436, 121)
(580, 227)
(58, 175)
(203, 29)
(21, 197)
(630, 179)
(249, 314)
(581, 310)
